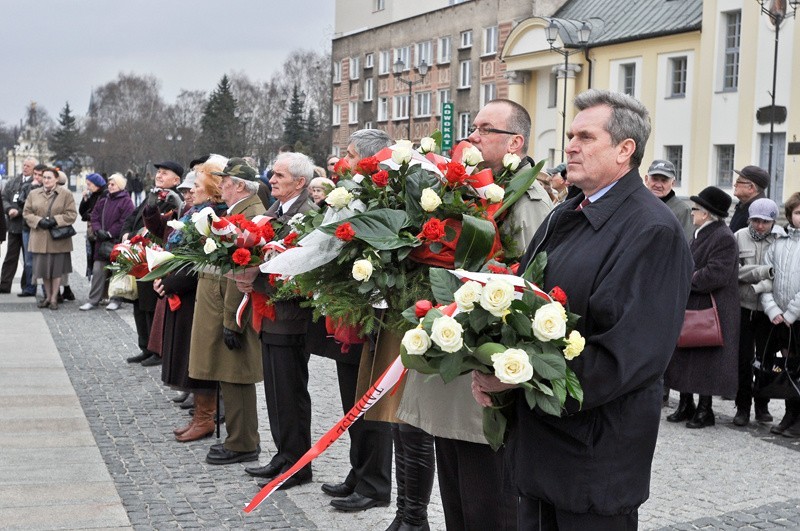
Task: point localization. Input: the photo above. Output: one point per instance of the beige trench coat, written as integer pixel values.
(63, 211)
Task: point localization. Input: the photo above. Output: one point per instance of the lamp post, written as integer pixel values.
(776, 13)
(551, 33)
(174, 138)
(422, 70)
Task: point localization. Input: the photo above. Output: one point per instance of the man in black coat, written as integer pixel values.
(621, 257)
(14, 194)
(750, 184)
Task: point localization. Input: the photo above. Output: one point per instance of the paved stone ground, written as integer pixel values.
(716, 478)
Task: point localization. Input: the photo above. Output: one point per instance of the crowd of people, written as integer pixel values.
(632, 255)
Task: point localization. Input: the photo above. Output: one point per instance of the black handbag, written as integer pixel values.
(777, 376)
(701, 328)
(59, 233)
(104, 248)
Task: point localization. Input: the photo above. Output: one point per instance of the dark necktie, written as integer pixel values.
(280, 211)
(583, 204)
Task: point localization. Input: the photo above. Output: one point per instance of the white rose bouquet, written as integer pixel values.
(498, 324)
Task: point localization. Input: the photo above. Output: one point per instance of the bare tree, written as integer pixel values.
(183, 124)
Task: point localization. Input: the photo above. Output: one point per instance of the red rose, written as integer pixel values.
(345, 232)
(241, 257)
(341, 168)
(114, 254)
(367, 166)
(456, 173)
(500, 270)
(290, 239)
(273, 278)
(381, 179)
(139, 270)
(421, 308)
(558, 295)
(433, 230)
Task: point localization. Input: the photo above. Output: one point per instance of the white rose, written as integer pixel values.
(512, 366)
(339, 197)
(426, 145)
(467, 295)
(471, 156)
(494, 193)
(402, 152)
(430, 200)
(575, 345)
(446, 333)
(362, 270)
(511, 161)
(496, 297)
(550, 322)
(175, 224)
(210, 246)
(416, 341)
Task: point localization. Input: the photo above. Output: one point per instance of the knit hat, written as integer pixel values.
(755, 174)
(714, 200)
(120, 179)
(96, 179)
(763, 209)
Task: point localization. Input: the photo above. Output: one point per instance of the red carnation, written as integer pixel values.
(456, 173)
(367, 166)
(558, 295)
(290, 239)
(422, 307)
(241, 256)
(381, 178)
(500, 270)
(236, 219)
(433, 230)
(267, 232)
(345, 232)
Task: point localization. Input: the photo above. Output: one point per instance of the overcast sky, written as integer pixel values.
(54, 51)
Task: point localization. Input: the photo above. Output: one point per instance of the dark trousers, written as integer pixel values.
(286, 390)
(753, 332)
(144, 322)
(241, 416)
(536, 515)
(475, 495)
(14, 248)
(370, 443)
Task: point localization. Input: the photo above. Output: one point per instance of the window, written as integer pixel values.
(404, 54)
(724, 165)
(444, 97)
(627, 79)
(422, 104)
(368, 89)
(466, 39)
(463, 125)
(385, 62)
(674, 154)
(465, 71)
(352, 112)
(552, 94)
(733, 29)
(379, 5)
(368, 125)
(677, 85)
(369, 60)
(488, 93)
(383, 109)
(355, 67)
(336, 116)
(443, 53)
(337, 72)
(400, 107)
(424, 53)
(490, 40)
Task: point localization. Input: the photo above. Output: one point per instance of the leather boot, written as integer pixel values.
(685, 409)
(742, 417)
(788, 420)
(204, 411)
(185, 428)
(704, 416)
(400, 477)
(420, 467)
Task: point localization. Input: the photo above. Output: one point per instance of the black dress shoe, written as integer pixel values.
(269, 470)
(357, 502)
(742, 417)
(5, 290)
(297, 479)
(180, 397)
(68, 295)
(188, 403)
(226, 457)
(217, 448)
(337, 490)
(138, 358)
(152, 361)
(23, 294)
(763, 414)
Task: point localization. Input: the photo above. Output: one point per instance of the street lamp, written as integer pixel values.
(776, 13)
(551, 34)
(174, 138)
(422, 70)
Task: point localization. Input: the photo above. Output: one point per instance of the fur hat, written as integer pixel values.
(714, 200)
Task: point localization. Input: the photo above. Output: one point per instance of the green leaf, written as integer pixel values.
(543, 388)
(443, 285)
(437, 137)
(560, 390)
(508, 336)
(484, 352)
(530, 397)
(435, 247)
(548, 404)
(535, 271)
(416, 181)
(366, 287)
(432, 315)
(547, 364)
(450, 368)
(379, 228)
(494, 427)
(417, 363)
(521, 324)
(475, 243)
(574, 386)
(479, 318)
(410, 315)
(518, 185)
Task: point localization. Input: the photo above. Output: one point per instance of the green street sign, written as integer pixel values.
(447, 126)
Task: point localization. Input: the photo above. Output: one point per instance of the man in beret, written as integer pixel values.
(751, 181)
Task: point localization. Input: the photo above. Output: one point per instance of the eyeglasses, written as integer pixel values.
(483, 131)
(742, 183)
(695, 209)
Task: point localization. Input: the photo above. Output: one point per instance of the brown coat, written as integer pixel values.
(63, 211)
(373, 364)
(215, 308)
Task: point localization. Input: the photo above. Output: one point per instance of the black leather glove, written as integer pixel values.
(152, 197)
(168, 201)
(233, 340)
(46, 223)
(103, 235)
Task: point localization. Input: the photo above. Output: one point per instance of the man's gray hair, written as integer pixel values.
(250, 186)
(298, 164)
(629, 118)
(367, 142)
(519, 120)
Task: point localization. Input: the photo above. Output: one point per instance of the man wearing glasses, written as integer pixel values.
(751, 181)
(502, 127)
